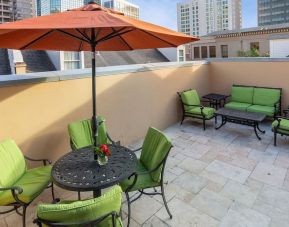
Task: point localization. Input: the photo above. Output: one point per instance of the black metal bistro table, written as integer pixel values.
(216, 100)
(78, 171)
(242, 118)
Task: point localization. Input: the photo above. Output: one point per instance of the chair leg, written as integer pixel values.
(79, 195)
(204, 124)
(52, 191)
(165, 201)
(128, 209)
(183, 119)
(24, 216)
(275, 139)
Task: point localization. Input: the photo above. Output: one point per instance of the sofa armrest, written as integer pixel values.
(45, 161)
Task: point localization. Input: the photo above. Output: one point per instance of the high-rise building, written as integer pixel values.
(129, 9)
(46, 7)
(23, 9)
(6, 12)
(272, 12)
(98, 2)
(201, 17)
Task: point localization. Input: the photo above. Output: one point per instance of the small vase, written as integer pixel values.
(102, 160)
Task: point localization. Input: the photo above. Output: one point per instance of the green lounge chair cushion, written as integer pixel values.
(266, 97)
(33, 182)
(191, 98)
(242, 94)
(268, 110)
(12, 163)
(80, 133)
(155, 147)
(237, 106)
(84, 211)
(207, 111)
(284, 126)
(143, 180)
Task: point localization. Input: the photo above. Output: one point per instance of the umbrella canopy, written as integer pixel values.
(88, 28)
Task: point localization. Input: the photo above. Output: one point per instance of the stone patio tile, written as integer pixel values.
(267, 156)
(132, 223)
(169, 176)
(171, 190)
(3, 223)
(155, 221)
(269, 174)
(143, 208)
(191, 182)
(211, 204)
(232, 172)
(212, 155)
(241, 216)
(240, 193)
(212, 176)
(244, 162)
(254, 184)
(192, 165)
(180, 156)
(238, 151)
(214, 187)
(196, 150)
(171, 162)
(185, 215)
(282, 159)
(176, 170)
(275, 197)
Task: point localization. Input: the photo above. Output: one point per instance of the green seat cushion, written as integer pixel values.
(143, 181)
(266, 96)
(242, 94)
(81, 134)
(268, 110)
(33, 182)
(283, 128)
(237, 106)
(84, 211)
(191, 98)
(207, 111)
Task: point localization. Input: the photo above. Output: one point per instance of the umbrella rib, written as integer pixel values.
(148, 33)
(83, 34)
(126, 43)
(109, 35)
(36, 40)
(115, 34)
(74, 36)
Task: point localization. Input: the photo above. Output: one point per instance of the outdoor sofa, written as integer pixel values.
(254, 99)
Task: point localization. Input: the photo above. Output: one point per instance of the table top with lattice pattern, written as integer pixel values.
(78, 171)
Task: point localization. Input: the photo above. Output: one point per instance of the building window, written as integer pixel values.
(196, 52)
(181, 55)
(212, 50)
(204, 52)
(71, 60)
(55, 6)
(224, 51)
(255, 46)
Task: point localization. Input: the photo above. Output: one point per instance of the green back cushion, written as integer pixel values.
(242, 94)
(12, 163)
(155, 147)
(266, 96)
(81, 133)
(190, 97)
(83, 211)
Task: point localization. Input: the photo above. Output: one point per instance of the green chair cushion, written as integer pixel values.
(191, 98)
(208, 112)
(283, 128)
(268, 110)
(80, 133)
(155, 147)
(266, 96)
(242, 94)
(33, 182)
(237, 106)
(143, 181)
(84, 211)
(12, 163)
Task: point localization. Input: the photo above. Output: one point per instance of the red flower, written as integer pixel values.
(104, 148)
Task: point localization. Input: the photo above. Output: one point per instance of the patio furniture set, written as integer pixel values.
(248, 105)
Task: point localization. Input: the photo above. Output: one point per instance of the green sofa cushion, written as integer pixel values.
(12, 163)
(83, 211)
(143, 181)
(191, 98)
(242, 94)
(33, 182)
(155, 147)
(283, 128)
(209, 112)
(268, 110)
(80, 133)
(237, 106)
(266, 96)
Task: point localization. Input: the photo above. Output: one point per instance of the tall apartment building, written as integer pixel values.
(98, 2)
(129, 9)
(23, 9)
(46, 7)
(6, 11)
(201, 17)
(272, 12)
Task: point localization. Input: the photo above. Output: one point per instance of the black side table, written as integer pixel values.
(216, 100)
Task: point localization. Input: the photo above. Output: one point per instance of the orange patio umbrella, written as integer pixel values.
(88, 28)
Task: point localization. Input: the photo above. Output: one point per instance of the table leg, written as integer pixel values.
(256, 133)
(96, 193)
(260, 129)
(224, 121)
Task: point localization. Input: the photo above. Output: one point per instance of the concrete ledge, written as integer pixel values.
(244, 59)
(12, 80)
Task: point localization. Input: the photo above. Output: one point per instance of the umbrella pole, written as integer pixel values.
(94, 117)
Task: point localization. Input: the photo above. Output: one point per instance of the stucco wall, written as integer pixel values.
(36, 115)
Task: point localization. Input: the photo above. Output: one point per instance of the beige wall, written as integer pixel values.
(36, 115)
(269, 74)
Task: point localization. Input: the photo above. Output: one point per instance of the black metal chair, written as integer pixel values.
(281, 126)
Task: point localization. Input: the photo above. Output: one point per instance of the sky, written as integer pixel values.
(164, 13)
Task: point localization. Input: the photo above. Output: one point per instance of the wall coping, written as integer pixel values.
(250, 59)
(53, 76)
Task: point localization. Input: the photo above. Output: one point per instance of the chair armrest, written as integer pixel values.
(45, 161)
(185, 104)
(139, 149)
(112, 141)
(15, 191)
(286, 112)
